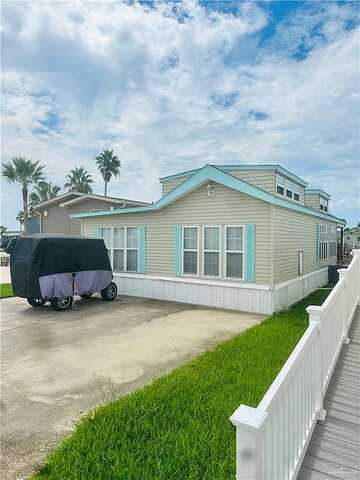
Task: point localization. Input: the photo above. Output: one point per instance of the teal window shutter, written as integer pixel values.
(177, 249)
(141, 250)
(97, 232)
(250, 253)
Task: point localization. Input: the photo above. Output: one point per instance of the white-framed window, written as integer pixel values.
(289, 189)
(211, 251)
(234, 251)
(323, 242)
(280, 185)
(333, 241)
(122, 246)
(286, 188)
(300, 263)
(324, 204)
(190, 263)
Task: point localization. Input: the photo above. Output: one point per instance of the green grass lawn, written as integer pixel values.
(177, 427)
(6, 290)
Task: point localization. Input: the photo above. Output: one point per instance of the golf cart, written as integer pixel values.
(55, 268)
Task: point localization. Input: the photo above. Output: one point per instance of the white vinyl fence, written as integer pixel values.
(271, 440)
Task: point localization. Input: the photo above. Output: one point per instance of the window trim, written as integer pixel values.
(111, 248)
(213, 251)
(133, 249)
(323, 242)
(287, 186)
(332, 241)
(243, 251)
(197, 274)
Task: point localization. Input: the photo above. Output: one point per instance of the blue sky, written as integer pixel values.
(173, 86)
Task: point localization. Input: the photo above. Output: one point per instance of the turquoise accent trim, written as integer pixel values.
(177, 249)
(250, 253)
(317, 191)
(231, 168)
(97, 232)
(210, 173)
(142, 248)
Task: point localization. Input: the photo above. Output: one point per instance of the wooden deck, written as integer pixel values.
(334, 449)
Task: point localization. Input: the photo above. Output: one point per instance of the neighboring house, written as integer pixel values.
(54, 214)
(352, 239)
(238, 237)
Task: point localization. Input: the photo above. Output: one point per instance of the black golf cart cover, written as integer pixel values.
(43, 265)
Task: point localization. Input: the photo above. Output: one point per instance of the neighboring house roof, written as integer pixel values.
(317, 191)
(70, 198)
(56, 199)
(211, 173)
(101, 198)
(232, 168)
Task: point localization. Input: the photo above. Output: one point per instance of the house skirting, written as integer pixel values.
(219, 294)
(292, 291)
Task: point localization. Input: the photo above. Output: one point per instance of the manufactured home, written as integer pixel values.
(250, 238)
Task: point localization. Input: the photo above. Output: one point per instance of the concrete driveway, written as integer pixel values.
(58, 365)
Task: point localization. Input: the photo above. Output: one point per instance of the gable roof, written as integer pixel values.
(236, 168)
(101, 198)
(56, 199)
(70, 198)
(211, 173)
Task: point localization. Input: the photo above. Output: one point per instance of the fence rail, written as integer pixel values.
(271, 440)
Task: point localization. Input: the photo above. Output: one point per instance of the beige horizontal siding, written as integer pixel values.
(312, 200)
(56, 221)
(294, 232)
(196, 208)
(262, 179)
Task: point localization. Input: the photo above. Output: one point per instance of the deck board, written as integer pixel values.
(334, 448)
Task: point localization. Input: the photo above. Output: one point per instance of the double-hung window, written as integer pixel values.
(323, 204)
(234, 251)
(211, 251)
(333, 241)
(280, 185)
(289, 189)
(190, 250)
(122, 247)
(323, 241)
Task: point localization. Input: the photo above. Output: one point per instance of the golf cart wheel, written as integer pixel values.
(36, 302)
(86, 296)
(61, 304)
(110, 292)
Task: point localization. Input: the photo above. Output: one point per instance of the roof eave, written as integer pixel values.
(210, 173)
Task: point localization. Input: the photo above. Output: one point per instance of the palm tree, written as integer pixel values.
(44, 191)
(26, 172)
(20, 217)
(108, 165)
(79, 180)
(3, 230)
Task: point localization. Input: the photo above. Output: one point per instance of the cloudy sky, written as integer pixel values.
(173, 86)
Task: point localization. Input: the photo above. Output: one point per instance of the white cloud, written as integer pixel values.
(143, 81)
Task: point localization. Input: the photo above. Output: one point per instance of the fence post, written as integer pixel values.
(356, 257)
(343, 273)
(315, 312)
(250, 442)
